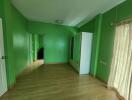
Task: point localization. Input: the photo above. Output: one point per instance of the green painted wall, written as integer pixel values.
(55, 40)
(106, 38)
(117, 14)
(1, 8)
(15, 40)
(106, 45)
(8, 40)
(20, 42)
(77, 52)
(89, 27)
(124, 10)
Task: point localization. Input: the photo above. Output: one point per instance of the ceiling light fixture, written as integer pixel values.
(59, 21)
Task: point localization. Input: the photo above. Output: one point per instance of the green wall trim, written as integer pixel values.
(98, 33)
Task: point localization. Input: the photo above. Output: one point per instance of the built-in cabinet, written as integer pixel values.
(81, 54)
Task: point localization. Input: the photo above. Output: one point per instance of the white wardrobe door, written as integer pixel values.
(86, 47)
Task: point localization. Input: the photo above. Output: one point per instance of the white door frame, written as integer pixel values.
(3, 79)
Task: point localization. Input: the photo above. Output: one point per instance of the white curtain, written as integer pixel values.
(130, 96)
(121, 66)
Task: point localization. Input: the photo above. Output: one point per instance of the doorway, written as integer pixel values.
(3, 79)
(40, 54)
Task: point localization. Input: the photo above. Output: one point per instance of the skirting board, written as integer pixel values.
(117, 93)
(31, 67)
(74, 65)
(55, 63)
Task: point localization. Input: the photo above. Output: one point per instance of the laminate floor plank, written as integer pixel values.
(58, 82)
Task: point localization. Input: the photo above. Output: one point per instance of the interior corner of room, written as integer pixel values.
(82, 41)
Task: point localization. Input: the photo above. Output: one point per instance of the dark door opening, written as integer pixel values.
(40, 54)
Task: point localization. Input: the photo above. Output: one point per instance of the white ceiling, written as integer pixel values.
(73, 12)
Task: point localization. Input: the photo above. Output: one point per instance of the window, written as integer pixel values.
(121, 67)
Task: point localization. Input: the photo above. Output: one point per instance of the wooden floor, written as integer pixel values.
(58, 82)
